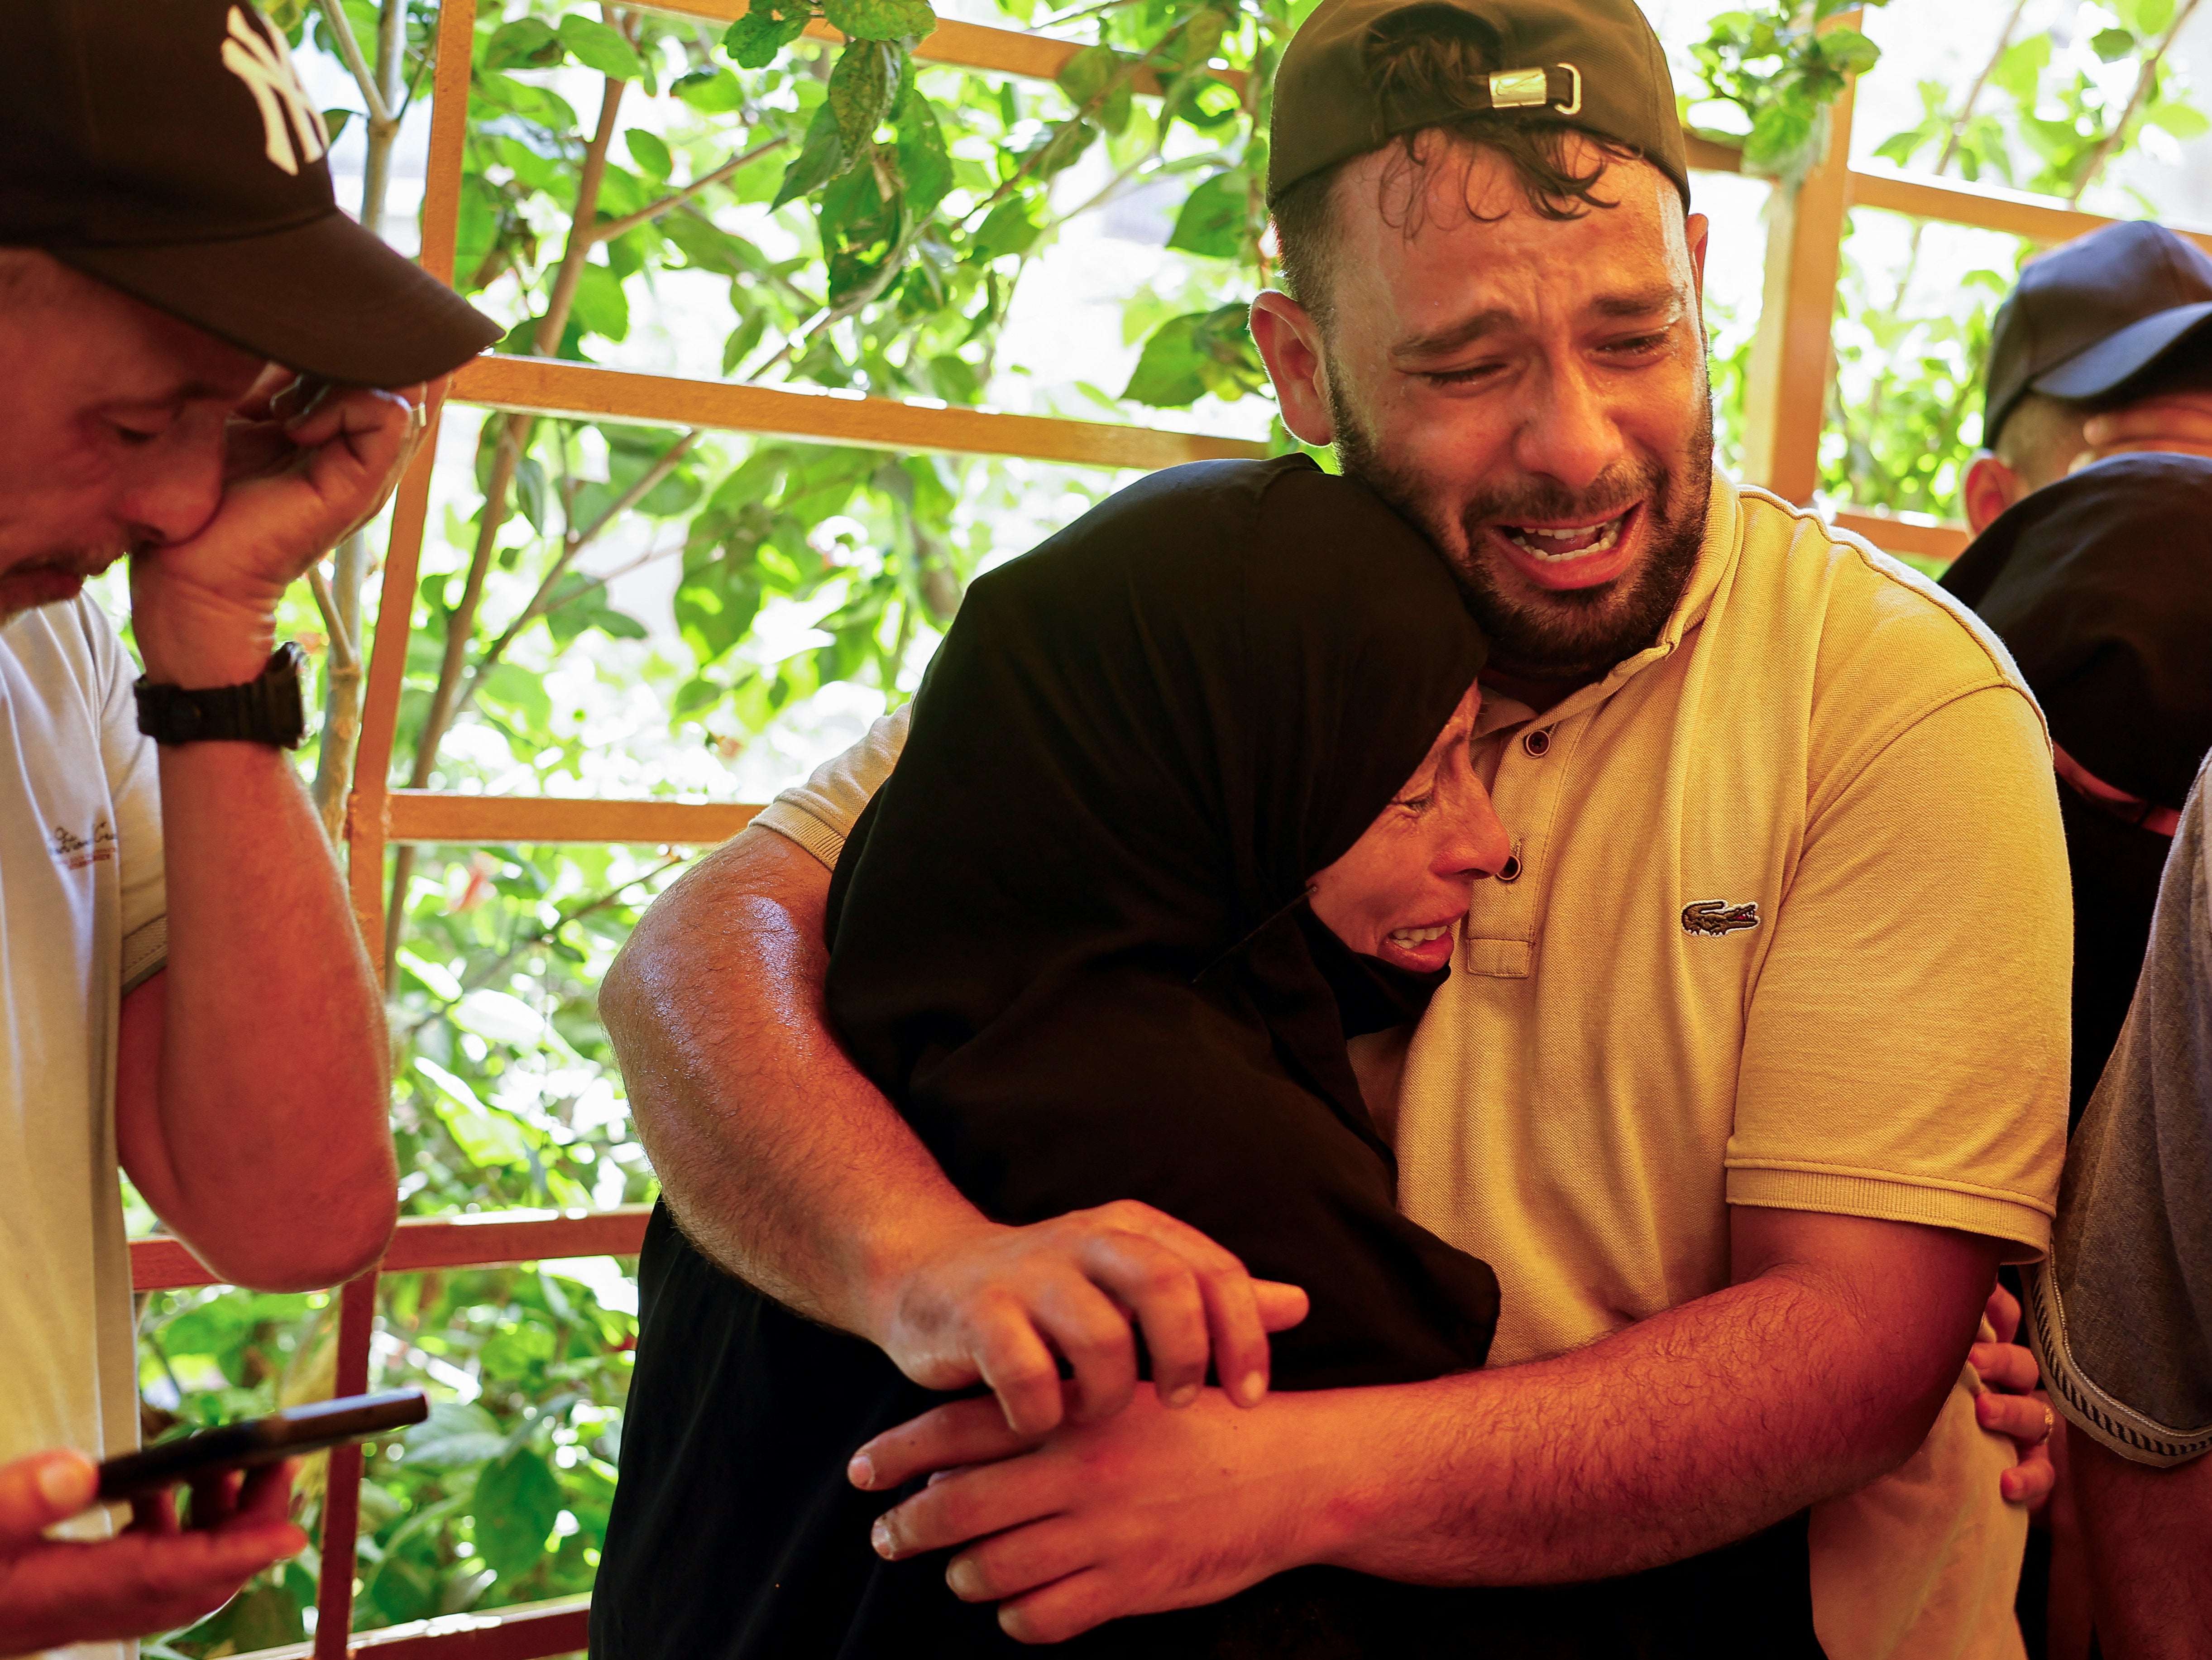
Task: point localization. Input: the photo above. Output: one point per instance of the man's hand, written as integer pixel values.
(1148, 1510)
(2012, 1406)
(153, 1577)
(307, 463)
(785, 1166)
(995, 1305)
(2179, 423)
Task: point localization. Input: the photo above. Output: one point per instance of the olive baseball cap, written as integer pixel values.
(2095, 312)
(168, 148)
(1594, 64)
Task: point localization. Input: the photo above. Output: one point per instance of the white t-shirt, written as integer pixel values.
(82, 911)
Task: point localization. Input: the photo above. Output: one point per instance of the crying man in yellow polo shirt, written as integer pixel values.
(1752, 1064)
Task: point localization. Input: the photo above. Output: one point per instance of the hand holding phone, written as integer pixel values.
(152, 1576)
(258, 1441)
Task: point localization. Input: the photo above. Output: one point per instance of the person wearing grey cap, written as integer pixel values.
(2104, 348)
(1749, 1070)
(197, 346)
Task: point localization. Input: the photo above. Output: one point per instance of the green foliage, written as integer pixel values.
(1195, 354)
(871, 219)
(1904, 411)
(1774, 72)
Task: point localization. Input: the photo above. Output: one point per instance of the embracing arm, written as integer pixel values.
(1821, 1368)
(790, 1169)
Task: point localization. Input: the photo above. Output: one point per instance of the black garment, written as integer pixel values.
(1070, 941)
(2100, 585)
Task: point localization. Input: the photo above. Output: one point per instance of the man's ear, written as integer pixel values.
(1991, 487)
(1290, 345)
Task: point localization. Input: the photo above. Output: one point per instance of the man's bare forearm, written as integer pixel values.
(2149, 1538)
(1697, 1426)
(779, 1158)
(266, 1143)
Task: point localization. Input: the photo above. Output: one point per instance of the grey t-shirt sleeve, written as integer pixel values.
(2122, 1313)
(819, 814)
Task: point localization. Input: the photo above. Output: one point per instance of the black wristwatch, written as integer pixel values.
(267, 710)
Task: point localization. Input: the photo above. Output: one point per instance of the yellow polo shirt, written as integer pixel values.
(1789, 926)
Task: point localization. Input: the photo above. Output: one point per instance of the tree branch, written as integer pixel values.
(631, 221)
(572, 545)
(483, 976)
(342, 652)
(545, 340)
(2146, 78)
(350, 49)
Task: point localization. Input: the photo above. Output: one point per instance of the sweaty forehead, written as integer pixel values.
(1458, 229)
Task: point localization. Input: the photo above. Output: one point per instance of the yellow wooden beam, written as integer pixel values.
(544, 386)
(475, 820)
(2038, 218)
(1786, 388)
(958, 46)
(1943, 541)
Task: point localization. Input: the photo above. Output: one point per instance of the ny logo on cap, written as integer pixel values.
(266, 69)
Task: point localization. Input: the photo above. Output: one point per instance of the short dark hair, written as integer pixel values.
(1424, 57)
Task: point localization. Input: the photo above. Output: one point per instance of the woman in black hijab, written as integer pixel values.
(1072, 940)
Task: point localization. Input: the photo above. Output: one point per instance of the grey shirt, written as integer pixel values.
(2122, 1313)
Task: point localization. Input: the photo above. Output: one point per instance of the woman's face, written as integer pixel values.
(1404, 884)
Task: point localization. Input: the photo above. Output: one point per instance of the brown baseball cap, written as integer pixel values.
(168, 148)
(1594, 64)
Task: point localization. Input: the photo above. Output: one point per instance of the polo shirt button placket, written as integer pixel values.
(1511, 870)
(1537, 743)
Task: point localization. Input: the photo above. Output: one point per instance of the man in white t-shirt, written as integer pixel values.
(182, 991)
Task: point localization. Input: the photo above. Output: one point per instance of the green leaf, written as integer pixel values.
(1849, 52)
(1782, 139)
(336, 121)
(2022, 67)
(712, 91)
(1094, 71)
(597, 46)
(650, 152)
(765, 30)
(862, 236)
(2184, 121)
(1166, 375)
(517, 1502)
(530, 491)
(600, 307)
(861, 88)
(2112, 44)
(2151, 18)
(924, 166)
(820, 159)
(527, 42)
(1216, 218)
(880, 20)
(1006, 229)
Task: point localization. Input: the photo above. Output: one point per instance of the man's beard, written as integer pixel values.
(1571, 633)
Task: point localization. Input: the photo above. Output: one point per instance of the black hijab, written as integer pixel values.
(1070, 935)
(1071, 941)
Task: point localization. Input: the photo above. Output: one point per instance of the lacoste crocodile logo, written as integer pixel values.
(1714, 917)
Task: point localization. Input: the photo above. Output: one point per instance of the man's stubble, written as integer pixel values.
(1577, 633)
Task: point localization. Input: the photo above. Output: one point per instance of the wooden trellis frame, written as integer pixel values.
(1789, 379)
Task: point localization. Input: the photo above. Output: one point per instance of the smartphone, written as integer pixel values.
(270, 1440)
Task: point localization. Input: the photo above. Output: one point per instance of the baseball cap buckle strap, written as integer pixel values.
(1561, 86)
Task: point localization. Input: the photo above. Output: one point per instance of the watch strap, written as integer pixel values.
(267, 709)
